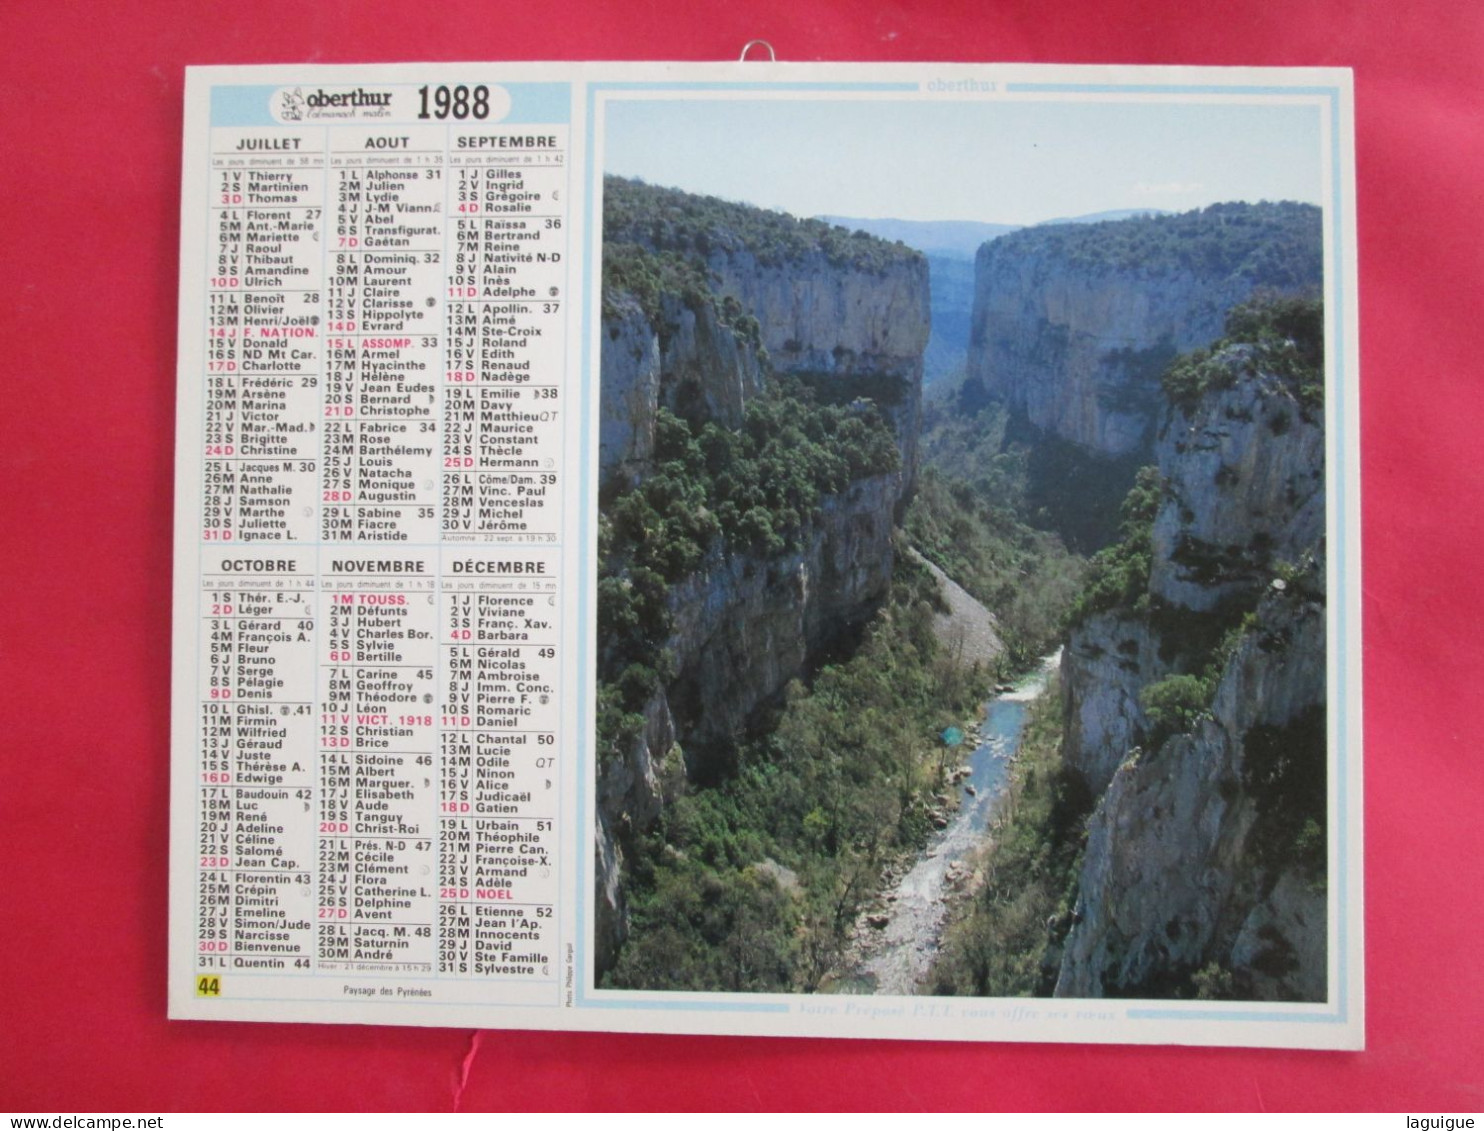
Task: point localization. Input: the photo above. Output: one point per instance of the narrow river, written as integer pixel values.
(891, 959)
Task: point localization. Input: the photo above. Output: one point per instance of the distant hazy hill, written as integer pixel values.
(1099, 217)
(952, 239)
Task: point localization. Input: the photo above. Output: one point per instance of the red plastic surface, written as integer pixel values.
(90, 151)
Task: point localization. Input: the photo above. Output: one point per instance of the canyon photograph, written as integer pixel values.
(963, 601)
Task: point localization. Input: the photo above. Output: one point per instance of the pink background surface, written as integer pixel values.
(89, 182)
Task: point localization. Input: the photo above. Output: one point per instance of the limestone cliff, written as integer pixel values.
(1073, 323)
(1244, 480)
(706, 306)
(1241, 479)
(1197, 856)
(844, 312)
(1195, 701)
(743, 626)
(686, 360)
(848, 333)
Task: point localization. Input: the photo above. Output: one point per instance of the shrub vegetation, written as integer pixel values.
(969, 519)
(700, 227)
(755, 883)
(1269, 244)
(1274, 335)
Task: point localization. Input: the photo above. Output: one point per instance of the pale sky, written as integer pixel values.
(996, 162)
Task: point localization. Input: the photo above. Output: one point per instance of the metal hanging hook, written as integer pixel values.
(751, 43)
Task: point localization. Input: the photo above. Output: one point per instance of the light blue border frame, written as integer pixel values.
(1336, 411)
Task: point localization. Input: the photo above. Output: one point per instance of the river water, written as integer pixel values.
(892, 959)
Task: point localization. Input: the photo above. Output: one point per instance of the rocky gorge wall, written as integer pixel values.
(849, 323)
(848, 313)
(1179, 874)
(1242, 478)
(1074, 323)
(743, 627)
(685, 358)
(849, 332)
(1204, 863)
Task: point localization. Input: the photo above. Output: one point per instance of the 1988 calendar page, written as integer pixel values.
(798, 550)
